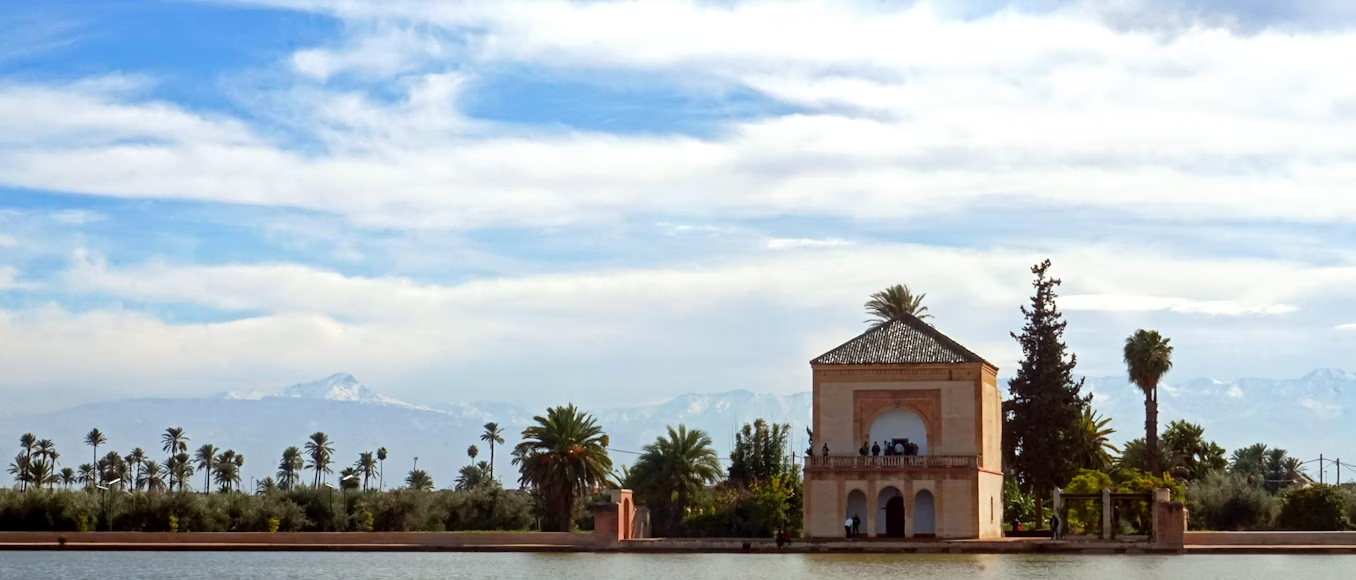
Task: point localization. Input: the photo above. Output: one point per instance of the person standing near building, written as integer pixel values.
(856, 526)
(847, 528)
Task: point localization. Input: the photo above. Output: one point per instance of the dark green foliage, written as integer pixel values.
(669, 471)
(486, 508)
(1188, 455)
(762, 495)
(1229, 502)
(1319, 508)
(758, 511)
(563, 453)
(1042, 413)
(760, 452)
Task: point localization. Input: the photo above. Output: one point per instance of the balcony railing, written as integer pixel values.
(890, 461)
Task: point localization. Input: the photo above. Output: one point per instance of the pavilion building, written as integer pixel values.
(933, 410)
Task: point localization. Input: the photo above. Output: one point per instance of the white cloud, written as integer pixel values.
(679, 229)
(798, 243)
(305, 319)
(1134, 303)
(910, 114)
(8, 277)
(8, 241)
(1346, 326)
(76, 217)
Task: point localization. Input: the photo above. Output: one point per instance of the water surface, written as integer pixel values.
(494, 566)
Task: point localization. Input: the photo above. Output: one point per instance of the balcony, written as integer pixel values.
(892, 462)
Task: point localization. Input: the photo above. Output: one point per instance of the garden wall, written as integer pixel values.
(1270, 538)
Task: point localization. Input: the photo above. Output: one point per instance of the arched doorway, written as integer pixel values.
(924, 514)
(890, 518)
(856, 506)
(901, 423)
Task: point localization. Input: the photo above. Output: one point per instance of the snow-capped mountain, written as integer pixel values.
(1307, 416)
(336, 387)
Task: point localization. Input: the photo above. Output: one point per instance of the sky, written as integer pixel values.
(612, 202)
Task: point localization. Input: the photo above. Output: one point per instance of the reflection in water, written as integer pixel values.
(485, 566)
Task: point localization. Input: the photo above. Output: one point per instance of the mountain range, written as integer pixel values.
(1307, 416)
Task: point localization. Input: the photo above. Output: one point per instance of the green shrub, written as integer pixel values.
(1319, 507)
(1229, 502)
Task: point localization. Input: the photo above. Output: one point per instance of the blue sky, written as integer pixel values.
(615, 202)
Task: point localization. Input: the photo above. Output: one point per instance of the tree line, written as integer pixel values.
(1052, 438)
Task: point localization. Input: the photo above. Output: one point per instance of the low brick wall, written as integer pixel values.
(448, 540)
(1270, 538)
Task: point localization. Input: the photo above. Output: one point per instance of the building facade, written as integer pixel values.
(912, 423)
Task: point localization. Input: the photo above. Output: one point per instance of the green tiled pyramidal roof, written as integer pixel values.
(903, 340)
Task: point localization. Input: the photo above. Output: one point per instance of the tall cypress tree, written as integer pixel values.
(1044, 401)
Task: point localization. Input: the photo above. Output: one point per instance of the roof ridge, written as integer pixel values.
(951, 342)
(903, 339)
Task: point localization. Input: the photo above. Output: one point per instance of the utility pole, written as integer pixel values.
(1320, 468)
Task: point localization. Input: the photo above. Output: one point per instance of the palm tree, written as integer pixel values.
(472, 452)
(367, 466)
(150, 478)
(674, 467)
(472, 476)
(94, 439)
(494, 436)
(239, 462)
(47, 460)
(226, 476)
(22, 469)
(894, 302)
(289, 469)
(671, 468)
(173, 441)
(352, 474)
(1194, 456)
(41, 473)
(419, 480)
(68, 477)
(319, 451)
(86, 474)
(206, 458)
(28, 442)
(265, 485)
(111, 467)
(1095, 450)
(225, 461)
(561, 455)
(1147, 358)
(1250, 462)
(1276, 469)
(180, 469)
(381, 467)
(136, 458)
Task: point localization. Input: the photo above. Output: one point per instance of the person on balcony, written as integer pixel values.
(826, 450)
(875, 449)
(863, 450)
